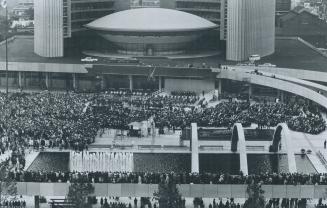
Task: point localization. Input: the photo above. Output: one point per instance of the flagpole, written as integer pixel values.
(6, 50)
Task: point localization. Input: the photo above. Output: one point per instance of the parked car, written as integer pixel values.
(254, 57)
(267, 65)
(89, 59)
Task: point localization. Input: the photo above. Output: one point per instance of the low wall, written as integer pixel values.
(194, 85)
(186, 190)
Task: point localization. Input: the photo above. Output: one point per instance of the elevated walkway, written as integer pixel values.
(252, 78)
(279, 73)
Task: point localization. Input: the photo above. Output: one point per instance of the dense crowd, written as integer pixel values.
(320, 204)
(71, 120)
(105, 204)
(286, 203)
(183, 93)
(179, 178)
(14, 204)
(220, 204)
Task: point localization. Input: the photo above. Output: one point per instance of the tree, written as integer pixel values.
(256, 198)
(168, 195)
(8, 187)
(78, 193)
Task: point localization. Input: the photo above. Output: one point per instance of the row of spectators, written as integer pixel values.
(179, 178)
(109, 204)
(286, 203)
(183, 93)
(220, 204)
(13, 204)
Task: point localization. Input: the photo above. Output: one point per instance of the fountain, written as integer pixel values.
(101, 161)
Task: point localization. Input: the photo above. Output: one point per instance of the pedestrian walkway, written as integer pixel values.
(311, 142)
(317, 164)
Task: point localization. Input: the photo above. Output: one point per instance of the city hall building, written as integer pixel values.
(178, 45)
(167, 32)
(241, 27)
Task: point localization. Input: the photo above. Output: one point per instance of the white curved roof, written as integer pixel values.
(151, 20)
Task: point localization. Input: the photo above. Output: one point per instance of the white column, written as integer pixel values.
(195, 148)
(282, 96)
(20, 85)
(74, 81)
(160, 79)
(250, 90)
(130, 77)
(102, 84)
(47, 80)
(219, 86)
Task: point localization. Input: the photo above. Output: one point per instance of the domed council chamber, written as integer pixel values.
(152, 31)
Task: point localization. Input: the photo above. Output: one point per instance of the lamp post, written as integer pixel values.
(6, 36)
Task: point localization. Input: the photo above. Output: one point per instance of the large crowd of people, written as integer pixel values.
(179, 178)
(13, 204)
(220, 204)
(72, 120)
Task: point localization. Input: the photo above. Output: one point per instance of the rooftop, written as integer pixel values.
(292, 53)
(151, 20)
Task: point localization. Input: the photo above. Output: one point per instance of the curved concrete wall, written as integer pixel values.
(282, 74)
(250, 28)
(296, 89)
(48, 28)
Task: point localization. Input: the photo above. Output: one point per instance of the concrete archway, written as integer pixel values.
(283, 134)
(238, 145)
(276, 139)
(234, 139)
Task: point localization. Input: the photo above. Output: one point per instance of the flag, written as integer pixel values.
(3, 3)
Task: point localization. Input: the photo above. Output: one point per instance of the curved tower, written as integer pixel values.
(48, 32)
(250, 28)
